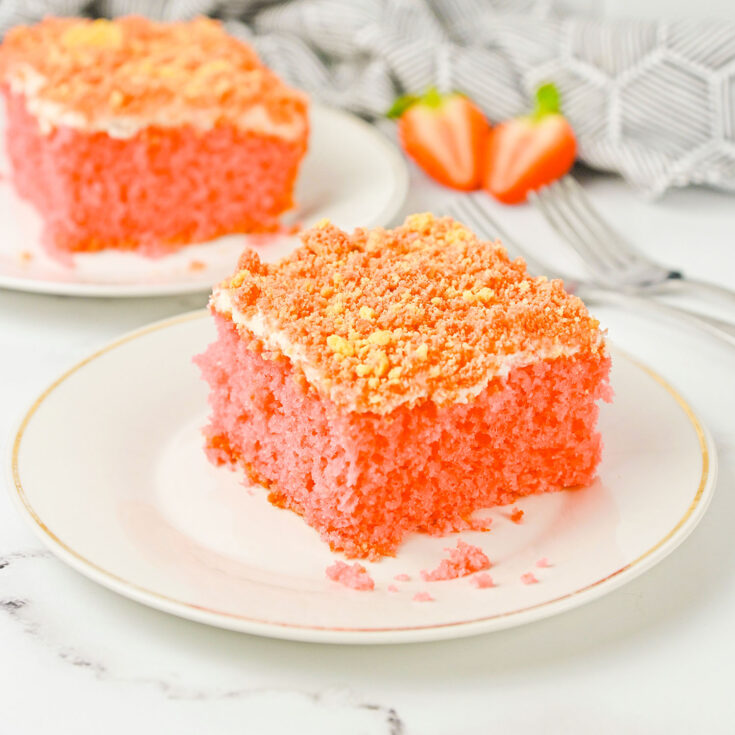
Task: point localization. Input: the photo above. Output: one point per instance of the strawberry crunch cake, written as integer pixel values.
(145, 136)
(391, 381)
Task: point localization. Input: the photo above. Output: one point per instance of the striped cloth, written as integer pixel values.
(652, 101)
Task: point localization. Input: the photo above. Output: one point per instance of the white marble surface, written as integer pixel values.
(657, 656)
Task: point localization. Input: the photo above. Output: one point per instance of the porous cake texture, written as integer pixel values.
(145, 136)
(391, 381)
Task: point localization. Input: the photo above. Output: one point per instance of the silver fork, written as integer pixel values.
(611, 258)
(473, 211)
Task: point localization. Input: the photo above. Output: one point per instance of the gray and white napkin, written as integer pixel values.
(653, 101)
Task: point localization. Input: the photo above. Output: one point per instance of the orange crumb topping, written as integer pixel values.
(426, 310)
(134, 67)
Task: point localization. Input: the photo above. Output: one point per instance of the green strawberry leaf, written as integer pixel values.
(432, 97)
(401, 105)
(548, 101)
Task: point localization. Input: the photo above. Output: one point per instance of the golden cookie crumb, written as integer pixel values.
(381, 363)
(100, 33)
(380, 337)
(485, 294)
(340, 345)
(116, 98)
(238, 279)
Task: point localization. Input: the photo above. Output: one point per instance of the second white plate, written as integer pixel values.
(108, 468)
(352, 174)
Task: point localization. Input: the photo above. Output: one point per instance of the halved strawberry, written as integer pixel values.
(444, 134)
(529, 152)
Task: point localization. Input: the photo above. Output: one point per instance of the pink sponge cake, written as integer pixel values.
(145, 136)
(391, 381)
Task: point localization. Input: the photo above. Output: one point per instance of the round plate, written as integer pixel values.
(109, 469)
(352, 174)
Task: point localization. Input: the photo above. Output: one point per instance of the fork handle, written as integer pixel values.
(725, 331)
(695, 287)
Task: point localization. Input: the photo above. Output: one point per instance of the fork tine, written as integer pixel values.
(604, 237)
(547, 201)
(633, 266)
(469, 212)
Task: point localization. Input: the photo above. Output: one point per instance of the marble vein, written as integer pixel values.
(27, 612)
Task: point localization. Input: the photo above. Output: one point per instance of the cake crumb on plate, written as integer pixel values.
(529, 578)
(517, 515)
(423, 597)
(463, 560)
(355, 577)
(482, 581)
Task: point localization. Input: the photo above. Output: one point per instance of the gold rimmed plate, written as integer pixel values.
(108, 468)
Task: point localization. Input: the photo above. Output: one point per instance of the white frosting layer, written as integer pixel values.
(27, 82)
(276, 339)
(273, 338)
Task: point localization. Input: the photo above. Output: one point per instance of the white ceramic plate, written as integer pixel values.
(352, 174)
(108, 468)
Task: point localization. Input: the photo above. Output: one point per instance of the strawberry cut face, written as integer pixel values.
(524, 155)
(529, 152)
(445, 136)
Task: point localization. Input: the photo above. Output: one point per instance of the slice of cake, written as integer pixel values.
(390, 381)
(146, 136)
